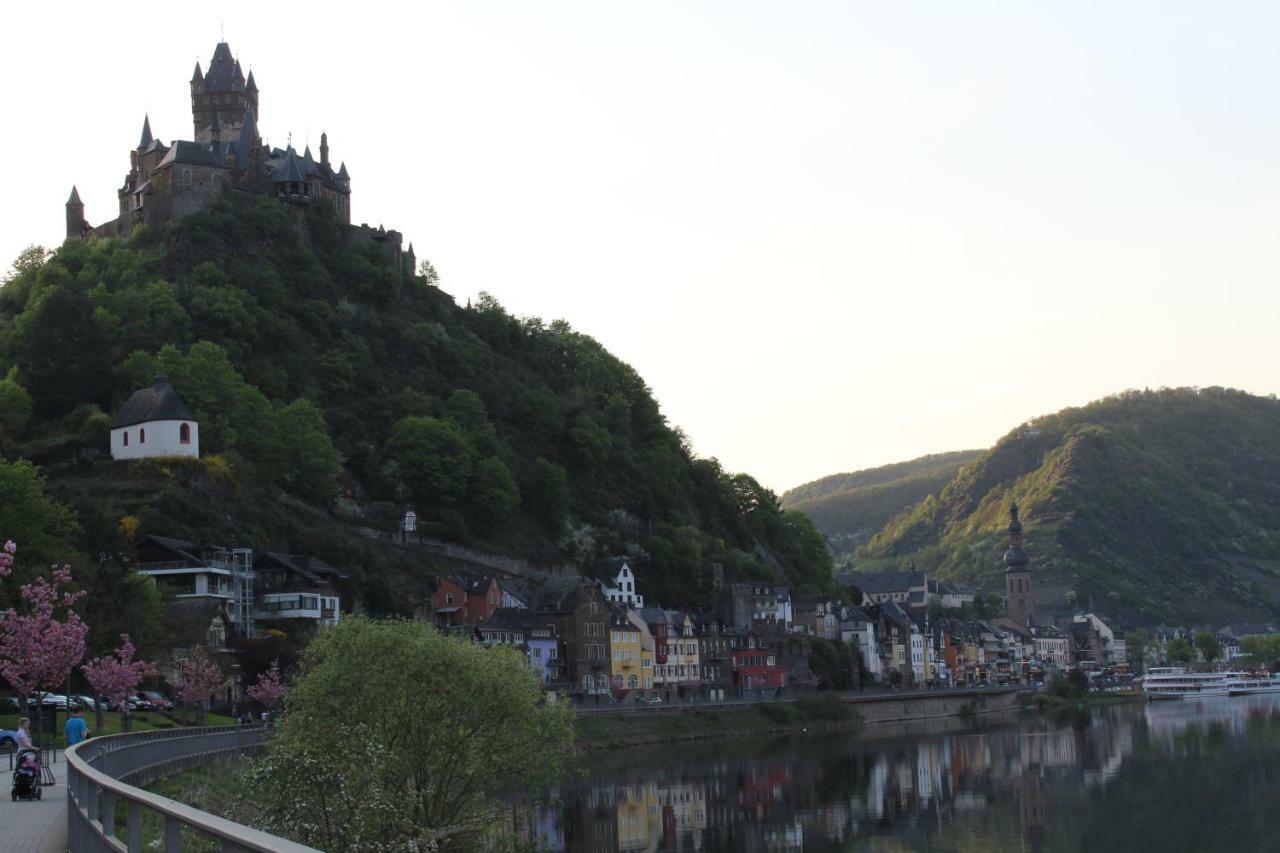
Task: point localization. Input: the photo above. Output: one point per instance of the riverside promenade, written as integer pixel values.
(35, 826)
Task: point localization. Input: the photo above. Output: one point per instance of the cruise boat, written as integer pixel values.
(1246, 684)
(1175, 682)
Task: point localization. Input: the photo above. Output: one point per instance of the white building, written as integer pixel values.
(154, 422)
(618, 583)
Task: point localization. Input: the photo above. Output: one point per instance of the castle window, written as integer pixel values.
(184, 434)
(186, 179)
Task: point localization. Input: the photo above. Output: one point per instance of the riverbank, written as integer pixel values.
(1047, 702)
(596, 732)
(811, 712)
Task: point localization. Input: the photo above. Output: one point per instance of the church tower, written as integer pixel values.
(1020, 603)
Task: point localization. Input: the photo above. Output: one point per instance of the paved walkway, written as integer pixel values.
(34, 826)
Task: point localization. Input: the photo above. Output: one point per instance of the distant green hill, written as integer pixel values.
(849, 508)
(333, 392)
(1153, 505)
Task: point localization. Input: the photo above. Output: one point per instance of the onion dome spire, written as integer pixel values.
(1015, 559)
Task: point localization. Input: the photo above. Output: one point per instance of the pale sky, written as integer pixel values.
(829, 235)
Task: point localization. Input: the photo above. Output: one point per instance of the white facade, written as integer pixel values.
(917, 655)
(623, 589)
(156, 438)
(299, 605)
(862, 635)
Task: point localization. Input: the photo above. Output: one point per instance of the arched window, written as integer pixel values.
(184, 434)
(186, 179)
(126, 438)
(142, 435)
(633, 682)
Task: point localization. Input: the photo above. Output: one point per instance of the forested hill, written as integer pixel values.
(332, 393)
(1155, 505)
(849, 508)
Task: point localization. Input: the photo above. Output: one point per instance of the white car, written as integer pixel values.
(56, 700)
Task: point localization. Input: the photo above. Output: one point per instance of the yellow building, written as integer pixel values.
(626, 664)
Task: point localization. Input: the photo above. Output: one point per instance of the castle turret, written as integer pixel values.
(1019, 600)
(324, 149)
(223, 87)
(76, 226)
(146, 133)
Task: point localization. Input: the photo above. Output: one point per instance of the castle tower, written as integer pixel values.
(223, 88)
(76, 226)
(1020, 603)
(324, 149)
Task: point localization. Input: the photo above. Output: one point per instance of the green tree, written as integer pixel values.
(42, 527)
(1136, 644)
(1180, 650)
(437, 726)
(15, 408)
(60, 348)
(434, 456)
(546, 494)
(1262, 650)
(493, 494)
(1209, 646)
(313, 463)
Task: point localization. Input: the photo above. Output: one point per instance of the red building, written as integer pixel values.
(755, 666)
(466, 601)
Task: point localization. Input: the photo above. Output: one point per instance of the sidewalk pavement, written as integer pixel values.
(35, 826)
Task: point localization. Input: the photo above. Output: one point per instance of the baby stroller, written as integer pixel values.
(26, 779)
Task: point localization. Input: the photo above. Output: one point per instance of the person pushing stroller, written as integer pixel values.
(26, 775)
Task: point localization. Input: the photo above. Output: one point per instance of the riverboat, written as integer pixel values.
(1248, 684)
(1174, 682)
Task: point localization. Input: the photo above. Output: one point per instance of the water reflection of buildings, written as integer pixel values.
(818, 793)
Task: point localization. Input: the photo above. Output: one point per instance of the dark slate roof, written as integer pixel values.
(515, 588)
(309, 163)
(222, 69)
(558, 594)
(290, 169)
(75, 196)
(146, 132)
(194, 153)
(655, 616)
(178, 547)
(155, 145)
(250, 85)
(342, 172)
(157, 403)
(881, 582)
(311, 569)
(248, 138)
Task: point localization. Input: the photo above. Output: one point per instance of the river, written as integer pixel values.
(1194, 775)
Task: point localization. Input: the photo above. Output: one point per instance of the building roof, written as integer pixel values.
(874, 583)
(193, 153)
(248, 138)
(74, 198)
(146, 132)
(559, 594)
(157, 403)
(311, 569)
(290, 169)
(223, 69)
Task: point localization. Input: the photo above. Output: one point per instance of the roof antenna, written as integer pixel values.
(222, 29)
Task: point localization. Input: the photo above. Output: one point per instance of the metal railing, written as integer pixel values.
(99, 773)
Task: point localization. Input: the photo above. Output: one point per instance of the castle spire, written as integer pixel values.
(146, 132)
(75, 197)
(324, 149)
(197, 76)
(76, 226)
(250, 85)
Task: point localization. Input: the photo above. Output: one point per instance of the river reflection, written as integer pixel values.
(1198, 775)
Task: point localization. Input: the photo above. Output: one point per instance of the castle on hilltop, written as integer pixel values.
(167, 182)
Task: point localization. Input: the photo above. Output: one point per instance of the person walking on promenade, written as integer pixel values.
(76, 729)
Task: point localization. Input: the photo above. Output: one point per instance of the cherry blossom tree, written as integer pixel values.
(116, 677)
(6, 558)
(269, 689)
(198, 679)
(40, 646)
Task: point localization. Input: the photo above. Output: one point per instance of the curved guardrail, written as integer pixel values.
(99, 773)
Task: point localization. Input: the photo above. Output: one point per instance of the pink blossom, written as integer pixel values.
(6, 558)
(270, 687)
(116, 678)
(37, 648)
(198, 679)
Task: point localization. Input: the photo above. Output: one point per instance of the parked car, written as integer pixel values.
(50, 700)
(86, 702)
(139, 704)
(158, 700)
(8, 739)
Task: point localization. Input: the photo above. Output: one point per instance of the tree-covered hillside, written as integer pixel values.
(332, 393)
(1152, 504)
(849, 508)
